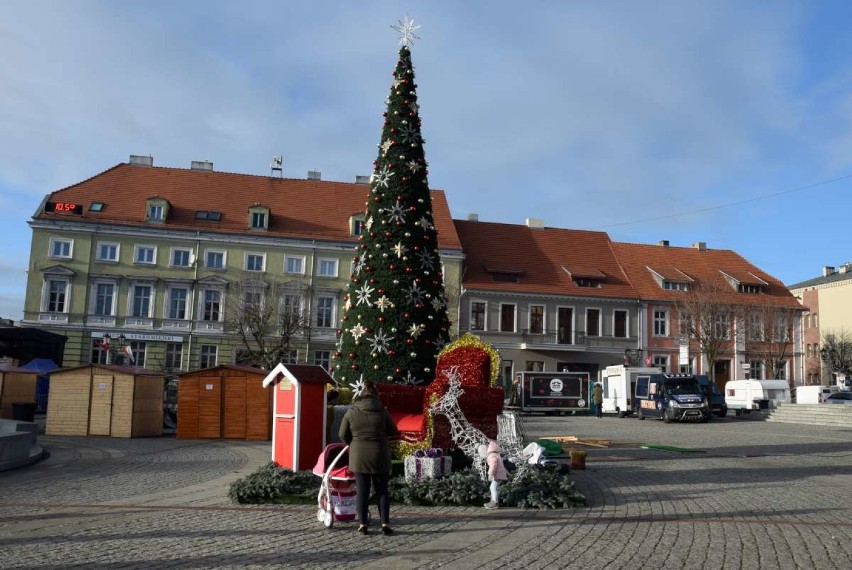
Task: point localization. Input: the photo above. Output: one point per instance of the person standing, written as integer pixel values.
(496, 472)
(597, 398)
(367, 428)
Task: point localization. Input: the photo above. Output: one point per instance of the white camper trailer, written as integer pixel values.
(743, 396)
(619, 385)
(812, 394)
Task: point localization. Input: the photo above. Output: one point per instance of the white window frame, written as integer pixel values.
(131, 299)
(655, 320)
(333, 317)
(262, 217)
(171, 353)
(327, 260)
(137, 249)
(722, 324)
(156, 213)
(543, 318)
(756, 365)
(93, 301)
(626, 322)
(256, 254)
(204, 354)
(599, 332)
(107, 244)
(484, 314)
(202, 301)
(54, 242)
(45, 300)
(209, 252)
(167, 306)
(514, 317)
(189, 257)
(300, 258)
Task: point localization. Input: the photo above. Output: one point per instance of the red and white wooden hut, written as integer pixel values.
(298, 414)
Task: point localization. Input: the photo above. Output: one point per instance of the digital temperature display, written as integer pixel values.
(67, 207)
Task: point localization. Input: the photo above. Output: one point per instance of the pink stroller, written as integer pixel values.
(336, 498)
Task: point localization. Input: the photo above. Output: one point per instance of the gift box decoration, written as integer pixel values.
(427, 464)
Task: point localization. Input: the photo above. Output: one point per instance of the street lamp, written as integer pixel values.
(106, 344)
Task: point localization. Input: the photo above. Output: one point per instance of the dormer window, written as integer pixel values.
(208, 215)
(675, 285)
(745, 282)
(157, 210)
(670, 278)
(357, 225)
(505, 274)
(749, 288)
(585, 276)
(258, 218)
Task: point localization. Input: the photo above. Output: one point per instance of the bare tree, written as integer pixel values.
(708, 317)
(769, 335)
(267, 316)
(836, 352)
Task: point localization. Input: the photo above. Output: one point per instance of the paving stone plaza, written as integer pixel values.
(756, 495)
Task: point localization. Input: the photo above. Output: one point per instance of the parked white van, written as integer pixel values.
(619, 386)
(743, 396)
(812, 394)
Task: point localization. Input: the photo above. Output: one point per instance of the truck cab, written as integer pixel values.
(671, 397)
(717, 399)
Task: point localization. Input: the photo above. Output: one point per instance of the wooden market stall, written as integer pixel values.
(225, 402)
(103, 399)
(16, 385)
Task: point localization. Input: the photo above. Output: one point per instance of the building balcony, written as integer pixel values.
(179, 325)
(53, 318)
(100, 321)
(139, 322)
(573, 341)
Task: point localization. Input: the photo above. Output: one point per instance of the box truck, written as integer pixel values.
(619, 385)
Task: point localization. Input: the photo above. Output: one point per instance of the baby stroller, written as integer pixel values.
(336, 498)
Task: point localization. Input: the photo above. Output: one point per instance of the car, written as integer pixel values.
(839, 398)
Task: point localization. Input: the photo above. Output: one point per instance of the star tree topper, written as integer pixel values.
(406, 29)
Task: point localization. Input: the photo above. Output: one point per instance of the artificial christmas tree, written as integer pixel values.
(394, 321)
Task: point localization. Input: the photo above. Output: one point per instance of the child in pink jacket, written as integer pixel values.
(496, 473)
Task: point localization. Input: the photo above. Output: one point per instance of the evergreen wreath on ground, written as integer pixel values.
(540, 487)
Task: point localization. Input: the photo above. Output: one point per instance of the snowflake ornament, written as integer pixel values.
(415, 330)
(426, 261)
(415, 294)
(399, 249)
(385, 146)
(357, 331)
(406, 29)
(360, 264)
(357, 387)
(384, 303)
(379, 342)
(364, 294)
(413, 165)
(396, 213)
(424, 223)
(409, 134)
(410, 379)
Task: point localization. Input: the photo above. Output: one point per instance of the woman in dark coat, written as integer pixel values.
(367, 427)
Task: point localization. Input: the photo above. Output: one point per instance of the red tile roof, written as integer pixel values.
(702, 266)
(538, 258)
(299, 209)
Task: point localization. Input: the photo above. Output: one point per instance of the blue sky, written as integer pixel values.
(723, 122)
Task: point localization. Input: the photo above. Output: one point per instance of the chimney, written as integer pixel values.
(700, 245)
(473, 217)
(360, 179)
(314, 175)
(663, 243)
(201, 165)
(845, 268)
(535, 223)
(139, 160)
(827, 270)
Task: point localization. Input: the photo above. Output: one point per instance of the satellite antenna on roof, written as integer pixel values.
(275, 166)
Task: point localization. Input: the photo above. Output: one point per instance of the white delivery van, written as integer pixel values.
(619, 385)
(812, 394)
(743, 396)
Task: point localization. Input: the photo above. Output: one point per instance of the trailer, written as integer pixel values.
(743, 396)
(619, 385)
(555, 392)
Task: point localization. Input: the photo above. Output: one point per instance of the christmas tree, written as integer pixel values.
(394, 321)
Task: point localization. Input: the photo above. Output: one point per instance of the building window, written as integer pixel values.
(141, 298)
(288, 356)
(782, 329)
(661, 322)
(593, 322)
(749, 288)
(755, 369)
(323, 358)
(60, 248)
(255, 261)
(722, 328)
(507, 318)
(291, 304)
(477, 316)
(97, 355)
(208, 356)
(537, 319)
(755, 328)
(57, 293)
(328, 268)
(181, 257)
(177, 302)
(619, 324)
(212, 305)
(294, 264)
(145, 255)
(662, 362)
(258, 220)
(534, 366)
(137, 350)
(156, 213)
(357, 227)
(675, 286)
(215, 260)
(174, 356)
(104, 299)
(107, 252)
(325, 312)
(781, 372)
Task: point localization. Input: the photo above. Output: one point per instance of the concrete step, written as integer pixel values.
(813, 414)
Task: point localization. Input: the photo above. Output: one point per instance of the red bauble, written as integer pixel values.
(407, 315)
(381, 291)
(376, 199)
(417, 280)
(381, 319)
(409, 341)
(416, 248)
(399, 370)
(408, 270)
(354, 367)
(372, 279)
(392, 266)
(351, 355)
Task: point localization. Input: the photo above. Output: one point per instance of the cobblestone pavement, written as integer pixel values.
(751, 495)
